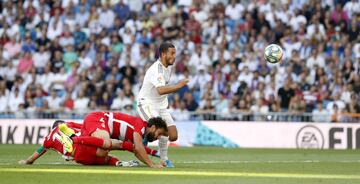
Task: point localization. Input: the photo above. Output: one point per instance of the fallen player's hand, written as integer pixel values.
(163, 163)
(24, 162)
(159, 166)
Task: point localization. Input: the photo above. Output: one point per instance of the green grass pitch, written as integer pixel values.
(193, 165)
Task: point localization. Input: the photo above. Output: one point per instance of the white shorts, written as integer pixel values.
(146, 112)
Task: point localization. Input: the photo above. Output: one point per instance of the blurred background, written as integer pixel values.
(62, 59)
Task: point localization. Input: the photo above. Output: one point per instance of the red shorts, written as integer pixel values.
(92, 122)
(86, 155)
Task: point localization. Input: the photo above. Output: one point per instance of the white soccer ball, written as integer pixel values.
(273, 53)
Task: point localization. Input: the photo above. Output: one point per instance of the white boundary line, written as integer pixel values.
(181, 173)
(262, 161)
(217, 162)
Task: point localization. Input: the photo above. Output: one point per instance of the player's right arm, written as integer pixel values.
(140, 153)
(162, 90)
(157, 79)
(37, 154)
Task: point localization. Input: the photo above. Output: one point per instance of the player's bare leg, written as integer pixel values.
(163, 144)
(172, 133)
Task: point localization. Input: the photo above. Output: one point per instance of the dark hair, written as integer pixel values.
(158, 122)
(56, 123)
(165, 46)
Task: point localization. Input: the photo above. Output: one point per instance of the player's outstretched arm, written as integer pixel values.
(162, 90)
(31, 159)
(140, 153)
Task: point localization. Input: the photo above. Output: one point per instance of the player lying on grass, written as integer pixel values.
(55, 142)
(109, 125)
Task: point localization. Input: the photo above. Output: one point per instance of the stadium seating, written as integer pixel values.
(61, 59)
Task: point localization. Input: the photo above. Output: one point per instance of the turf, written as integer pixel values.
(193, 165)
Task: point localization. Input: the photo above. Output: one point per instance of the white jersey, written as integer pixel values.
(156, 76)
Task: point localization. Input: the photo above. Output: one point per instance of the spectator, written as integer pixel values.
(246, 76)
(81, 103)
(68, 103)
(104, 102)
(285, 94)
(259, 107)
(69, 58)
(339, 15)
(171, 31)
(55, 28)
(82, 16)
(28, 45)
(40, 102)
(120, 101)
(320, 114)
(54, 101)
(13, 47)
(219, 46)
(67, 38)
(41, 59)
(207, 111)
(315, 59)
(122, 10)
(9, 72)
(107, 16)
(181, 113)
(243, 109)
(200, 80)
(43, 41)
(191, 104)
(221, 107)
(336, 101)
(25, 64)
(297, 106)
(15, 100)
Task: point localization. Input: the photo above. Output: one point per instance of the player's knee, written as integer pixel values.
(173, 138)
(172, 133)
(101, 152)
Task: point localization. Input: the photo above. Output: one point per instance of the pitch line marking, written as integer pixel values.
(262, 161)
(181, 173)
(216, 162)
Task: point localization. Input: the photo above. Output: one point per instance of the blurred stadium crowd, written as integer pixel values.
(75, 56)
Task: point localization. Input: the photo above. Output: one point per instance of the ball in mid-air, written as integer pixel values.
(273, 53)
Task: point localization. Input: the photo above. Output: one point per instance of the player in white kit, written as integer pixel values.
(153, 95)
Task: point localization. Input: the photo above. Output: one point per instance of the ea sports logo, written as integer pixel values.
(311, 137)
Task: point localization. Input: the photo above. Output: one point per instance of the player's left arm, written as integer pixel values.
(37, 154)
(139, 150)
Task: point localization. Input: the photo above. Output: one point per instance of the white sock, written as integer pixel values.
(163, 147)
